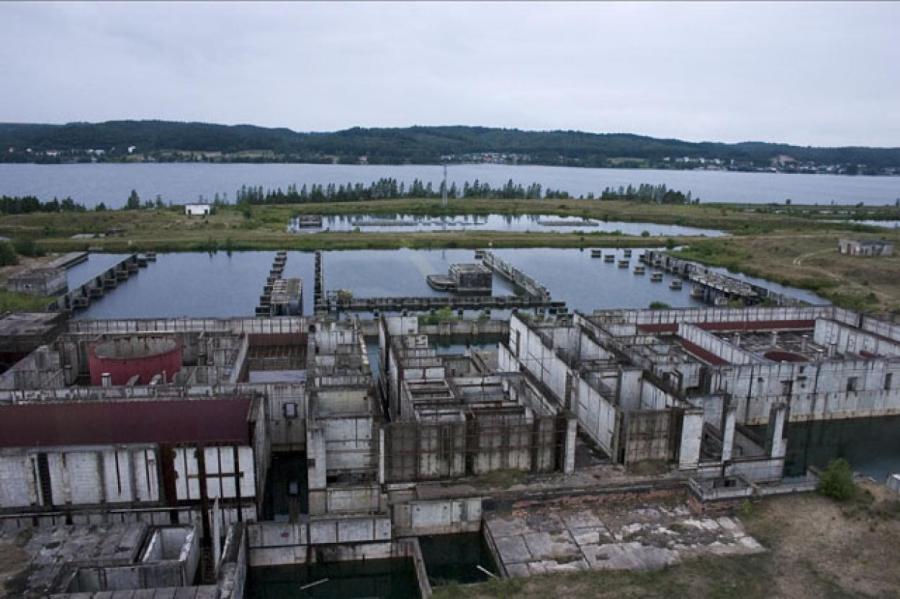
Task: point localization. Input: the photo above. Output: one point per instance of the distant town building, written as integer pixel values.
(855, 247)
(197, 209)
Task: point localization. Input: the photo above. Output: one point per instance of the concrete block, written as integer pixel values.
(322, 532)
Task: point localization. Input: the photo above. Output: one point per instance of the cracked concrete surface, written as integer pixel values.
(606, 534)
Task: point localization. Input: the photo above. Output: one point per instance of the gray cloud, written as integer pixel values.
(808, 73)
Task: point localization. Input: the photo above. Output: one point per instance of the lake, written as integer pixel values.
(184, 182)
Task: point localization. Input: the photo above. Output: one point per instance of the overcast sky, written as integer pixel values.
(808, 73)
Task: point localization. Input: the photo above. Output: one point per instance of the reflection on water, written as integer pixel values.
(885, 224)
(225, 285)
(538, 223)
(388, 578)
(455, 558)
(871, 445)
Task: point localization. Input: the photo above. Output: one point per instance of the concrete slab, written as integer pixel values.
(604, 534)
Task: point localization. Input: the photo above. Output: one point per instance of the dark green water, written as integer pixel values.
(871, 445)
(389, 578)
(453, 558)
(287, 488)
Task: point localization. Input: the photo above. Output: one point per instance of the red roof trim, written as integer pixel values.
(124, 422)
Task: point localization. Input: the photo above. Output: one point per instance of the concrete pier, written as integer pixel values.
(714, 287)
(535, 295)
(80, 297)
(68, 260)
(280, 296)
(515, 276)
(337, 302)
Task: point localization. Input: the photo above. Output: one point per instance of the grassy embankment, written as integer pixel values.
(815, 548)
(766, 241)
(264, 227)
(811, 261)
(20, 302)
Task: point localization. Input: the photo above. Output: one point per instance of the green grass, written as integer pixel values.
(265, 225)
(20, 302)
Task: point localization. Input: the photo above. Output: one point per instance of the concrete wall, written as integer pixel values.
(845, 339)
(814, 391)
(286, 412)
(596, 414)
(349, 444)
(345, 499)
(80, 476)
(232, 569)
(735, 315)
(716, 345)
(654, 398)
(230, 473)
(649, 436)
(273, 543)
(41, 369)
(437, 516)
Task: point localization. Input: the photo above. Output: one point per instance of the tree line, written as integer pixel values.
(29, 204)
(657, 194)
(382, 189)
(409, 145)
(388, 188)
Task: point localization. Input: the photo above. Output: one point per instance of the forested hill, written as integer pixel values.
(166, 140)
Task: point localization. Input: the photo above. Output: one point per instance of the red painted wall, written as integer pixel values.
(123, 369)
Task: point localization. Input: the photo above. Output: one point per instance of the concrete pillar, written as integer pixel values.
(381, 476)
(691, 438)
(728, 433)
(776, 441)
(315, 451)
(571, 434)
(774, 341)
(216, 535)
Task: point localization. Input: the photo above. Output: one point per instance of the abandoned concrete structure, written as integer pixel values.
(262, 441)
(464, 278)
(23, 332)
(39, 281)
(855, 247)
(452, 416)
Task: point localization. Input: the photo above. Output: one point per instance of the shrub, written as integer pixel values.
(837, 481)
(7, 254)
(27, 247)
(659, 306)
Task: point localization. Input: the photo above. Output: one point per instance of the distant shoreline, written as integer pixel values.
(439, 165)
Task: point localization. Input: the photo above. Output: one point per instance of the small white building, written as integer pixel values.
(197, 209)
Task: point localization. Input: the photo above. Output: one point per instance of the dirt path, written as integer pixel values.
(798, 261)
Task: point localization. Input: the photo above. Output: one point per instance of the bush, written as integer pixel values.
(659, 306)
(7, 254)
(837, 481)
(27, 247)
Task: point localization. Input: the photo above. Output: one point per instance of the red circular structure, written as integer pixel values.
(145, 356)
